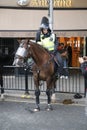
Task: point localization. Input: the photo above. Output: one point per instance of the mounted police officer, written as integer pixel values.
(48, 40)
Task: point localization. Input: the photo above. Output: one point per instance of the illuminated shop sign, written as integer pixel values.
(56, 3)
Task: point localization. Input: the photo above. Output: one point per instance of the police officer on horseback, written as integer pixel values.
(48, 40)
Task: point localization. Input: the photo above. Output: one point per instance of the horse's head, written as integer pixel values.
(21, 53)
(29, 49)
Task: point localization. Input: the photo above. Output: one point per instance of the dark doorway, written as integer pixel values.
(7, 50)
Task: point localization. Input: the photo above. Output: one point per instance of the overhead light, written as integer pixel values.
(22, 2)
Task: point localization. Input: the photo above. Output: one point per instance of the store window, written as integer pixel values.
(7, 50)
(77, 45)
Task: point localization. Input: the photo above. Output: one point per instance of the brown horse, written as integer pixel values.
(43, 69)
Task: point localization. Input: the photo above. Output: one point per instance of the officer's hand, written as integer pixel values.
(81, 60)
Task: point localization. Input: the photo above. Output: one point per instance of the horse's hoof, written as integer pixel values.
(36, 109)
(49, 108)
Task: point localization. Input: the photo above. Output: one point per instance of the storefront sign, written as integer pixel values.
(22, 2)
(44, 3)
(56, 3)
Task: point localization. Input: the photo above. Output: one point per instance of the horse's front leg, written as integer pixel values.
(49, 93)
(37, 94)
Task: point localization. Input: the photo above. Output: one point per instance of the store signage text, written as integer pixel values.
(56, 3)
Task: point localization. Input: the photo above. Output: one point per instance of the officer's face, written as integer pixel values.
(45, 30)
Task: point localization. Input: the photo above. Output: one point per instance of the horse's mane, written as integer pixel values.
(40, 48)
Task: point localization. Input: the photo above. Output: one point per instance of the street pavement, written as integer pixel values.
(17, 113)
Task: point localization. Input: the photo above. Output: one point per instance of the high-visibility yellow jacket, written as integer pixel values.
(47, 42)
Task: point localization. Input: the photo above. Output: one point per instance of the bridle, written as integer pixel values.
(20, 54)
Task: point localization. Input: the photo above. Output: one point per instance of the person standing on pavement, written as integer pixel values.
(69, 50)
(83, 66)
(64, 54)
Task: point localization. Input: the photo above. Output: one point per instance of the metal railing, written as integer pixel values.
(15, 78)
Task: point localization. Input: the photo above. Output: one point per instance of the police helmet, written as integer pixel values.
(44, 23)
(44, 26)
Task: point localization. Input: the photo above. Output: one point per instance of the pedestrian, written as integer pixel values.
(64, 54)
(69, 50)
(83, 66)
(63, 51)
(48, 40)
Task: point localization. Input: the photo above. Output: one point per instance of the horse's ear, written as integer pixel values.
(19, 40)
(26, 40)
(22, 39)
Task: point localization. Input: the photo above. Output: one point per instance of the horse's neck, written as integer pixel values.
(40, 59)
(40, 56)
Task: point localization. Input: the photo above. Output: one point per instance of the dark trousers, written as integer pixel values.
(84, 72)
(60, 69)
(85, 80)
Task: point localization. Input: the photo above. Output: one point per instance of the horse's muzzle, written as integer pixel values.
(22, 52)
